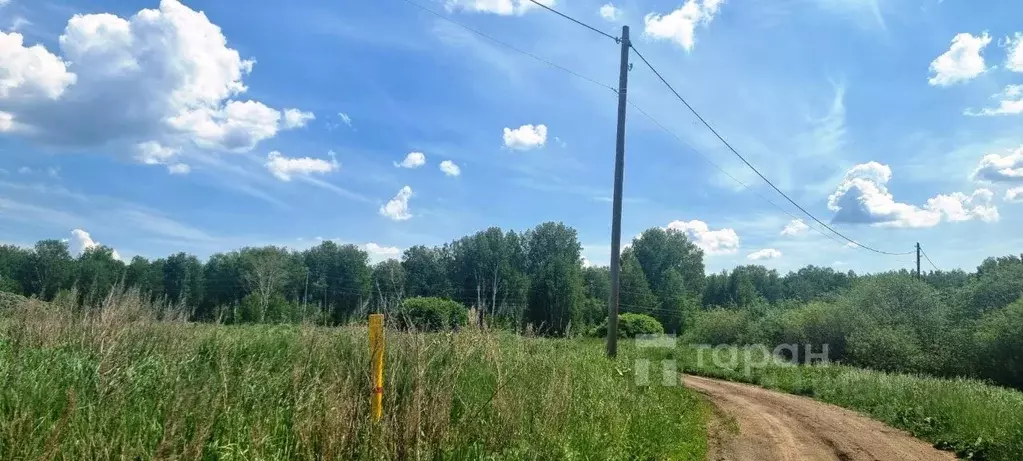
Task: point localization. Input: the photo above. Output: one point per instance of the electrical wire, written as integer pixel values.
(512, 47)
(929, 260)
(726, 173)
(552, 10)
(737, 154)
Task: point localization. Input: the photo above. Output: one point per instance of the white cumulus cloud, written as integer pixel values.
(863, 198)
(449, 168)
(82, 241)
(379, 253)
(766, 253)
(961, 62)
(795, 228)
(154, 153)
(609, 12)
(500, 7)
(1010, 102)
(1014, 60)
(1014, 195)
(169, 72)
(713, 242)
(285, 168)
(294, 118)
(412, 160)
(680, 25)
(179, 168)
(957, 206)
(996, 168)
(397, 207)
(30, 73)
(525, 137)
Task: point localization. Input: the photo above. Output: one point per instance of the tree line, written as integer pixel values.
(534, 277)
(947, 323)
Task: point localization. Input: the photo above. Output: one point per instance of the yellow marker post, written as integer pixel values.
(376, 351)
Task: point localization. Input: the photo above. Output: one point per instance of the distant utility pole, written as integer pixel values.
(918, 261)
(616, 207)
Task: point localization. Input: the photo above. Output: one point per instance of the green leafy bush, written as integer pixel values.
(432, 314)
(885, 349)
(718, 326)
(814, 324)
(1000, 336)
(630, 325)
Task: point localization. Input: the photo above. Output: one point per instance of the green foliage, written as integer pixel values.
(50, 269)
(15, 269)
(426, 271)
(744, 287)
(388, 285)
(597, 282)
(1000, 339)
(814, 324)
(488, 270)
(276, 309)
(593, 311)
(192, 391)
(659, 251)
(1000, 282)
(718, 326)
(98, 272)
(634, 293)
(816, 283)
(886, 349)
(340, 279)
(555, 291)
(432, 314)
(630, 325)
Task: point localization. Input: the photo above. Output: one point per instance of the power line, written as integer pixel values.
(510, 46)
(737, 154)
(733, 178)
(552, 10)
(929, 259)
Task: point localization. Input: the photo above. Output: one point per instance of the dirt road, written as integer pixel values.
(755, 424)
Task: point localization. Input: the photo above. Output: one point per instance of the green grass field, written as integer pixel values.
(976, 420)
(120, 386)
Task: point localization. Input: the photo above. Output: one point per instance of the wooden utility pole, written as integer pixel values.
(918, 261)
(616, 207)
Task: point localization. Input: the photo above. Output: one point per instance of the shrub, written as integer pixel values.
(630, 325)
(885, 349)
(819, 323)
(995, 290)
(903, 301)
(1000, 337)
(718, 326)
(275, 309)
(432, 314)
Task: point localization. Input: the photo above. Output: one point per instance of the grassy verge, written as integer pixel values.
(119, 385)
(974, 419)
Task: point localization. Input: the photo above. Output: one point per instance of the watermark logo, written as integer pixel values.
(670, 375)
(744, 358)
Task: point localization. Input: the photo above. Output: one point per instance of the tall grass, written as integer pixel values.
(114, 383)
(974, 419)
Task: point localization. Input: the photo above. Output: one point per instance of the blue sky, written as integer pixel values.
(158, 127)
